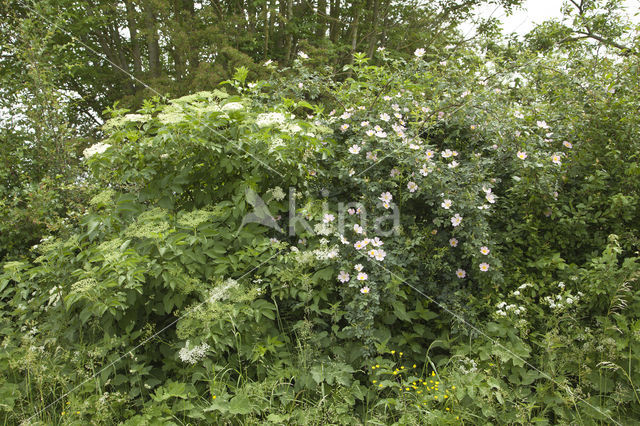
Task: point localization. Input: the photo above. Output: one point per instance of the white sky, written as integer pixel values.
(534, 12)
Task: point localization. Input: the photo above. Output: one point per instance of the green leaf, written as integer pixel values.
(239, 404)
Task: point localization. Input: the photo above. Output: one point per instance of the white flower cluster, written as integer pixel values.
(277, 193)
(233, 106)
(220, 291)
(269, 119)
(54, 295)
(561, 301)
(98, 148)
(193, 355)
(327, 253)
(504, 309)
(323, 229)
(137, 118)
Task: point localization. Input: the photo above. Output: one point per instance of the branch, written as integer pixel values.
(626, 51)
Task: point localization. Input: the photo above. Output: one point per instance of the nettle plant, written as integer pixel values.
(248, 234)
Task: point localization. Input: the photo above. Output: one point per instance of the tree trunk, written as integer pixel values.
(354, 28)
(153, 44)
(135, 43)
(321, 20)
(373, 37)
(289, 32)
(334, 26)
(267, 28)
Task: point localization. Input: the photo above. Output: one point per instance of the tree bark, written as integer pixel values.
(373, 37)
(321, 21)
(153, 43)
(133, 33)
(267, 28)
(354, 28)
(334, 26)
(289, 32)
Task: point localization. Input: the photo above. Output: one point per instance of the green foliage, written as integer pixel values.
(465, 250)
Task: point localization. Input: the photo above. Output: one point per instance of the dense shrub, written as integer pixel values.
(463, 251)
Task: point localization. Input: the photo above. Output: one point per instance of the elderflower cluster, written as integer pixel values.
(269, 119)
(326, 253)
(233, 106)
(194, 354)
(323, 229)
(277, 193)
(220, 292)
(98, 148)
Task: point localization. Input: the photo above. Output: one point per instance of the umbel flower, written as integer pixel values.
(98, 148)
(194, 354)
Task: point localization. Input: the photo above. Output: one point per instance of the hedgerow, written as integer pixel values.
(428, 241)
